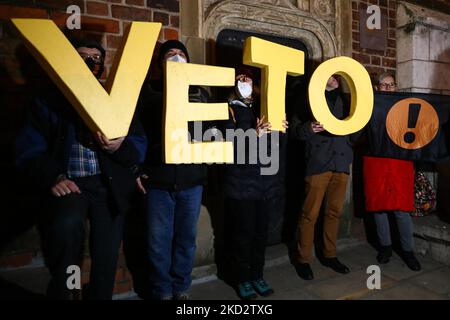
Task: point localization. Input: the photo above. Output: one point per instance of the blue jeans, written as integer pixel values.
(405, 228)
(172, 228)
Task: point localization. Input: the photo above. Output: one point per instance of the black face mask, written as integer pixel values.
(95, 67)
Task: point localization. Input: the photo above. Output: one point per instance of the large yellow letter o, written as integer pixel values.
(361, 90)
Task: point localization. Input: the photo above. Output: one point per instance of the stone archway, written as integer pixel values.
(264, 18)
(323, 25)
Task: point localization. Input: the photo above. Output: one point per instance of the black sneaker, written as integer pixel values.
(304, 271)
(336, 265)
(411, 261)
(384, 254)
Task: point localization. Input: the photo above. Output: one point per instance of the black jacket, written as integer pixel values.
(44, 143)
(173, 177)
(324, 151)
(245, 181)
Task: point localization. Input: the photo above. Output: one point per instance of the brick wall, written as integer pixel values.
(21, 78)
(376, 61)
(102, 19)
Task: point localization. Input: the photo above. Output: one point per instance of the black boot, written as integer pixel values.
(384, 254)
(304, 271)
(336, 265)
(411, 261)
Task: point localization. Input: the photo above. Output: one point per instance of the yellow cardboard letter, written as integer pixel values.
(178, 111)
(361, 90)
(109, 110)
(276, 61)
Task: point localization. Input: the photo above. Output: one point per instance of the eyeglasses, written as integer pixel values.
(97, 58)
(387, 85)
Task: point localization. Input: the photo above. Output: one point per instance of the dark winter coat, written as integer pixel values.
(173, 177)
(324, 151)
(245, 181)
(44, 143)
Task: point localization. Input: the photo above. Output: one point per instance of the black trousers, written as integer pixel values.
(248, 224)
(64, 233)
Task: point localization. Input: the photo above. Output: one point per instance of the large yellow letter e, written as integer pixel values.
(178, 111)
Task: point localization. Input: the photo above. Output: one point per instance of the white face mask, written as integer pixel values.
(245, 89)
(177, 58)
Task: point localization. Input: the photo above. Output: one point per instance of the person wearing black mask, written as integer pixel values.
(92, 53)
(78, 174)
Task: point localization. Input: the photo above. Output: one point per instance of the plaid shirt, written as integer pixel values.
(83, 162)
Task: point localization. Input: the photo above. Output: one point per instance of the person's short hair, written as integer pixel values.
(87, 43)
(384, 75)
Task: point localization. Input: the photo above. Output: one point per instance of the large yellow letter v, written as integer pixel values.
(110, 109)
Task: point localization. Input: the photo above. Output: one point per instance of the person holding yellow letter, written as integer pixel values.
(79, 174)
(389, 191)
(251, 185)
(173, 192)
(328, 158)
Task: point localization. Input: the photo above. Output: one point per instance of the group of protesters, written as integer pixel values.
(83, 175)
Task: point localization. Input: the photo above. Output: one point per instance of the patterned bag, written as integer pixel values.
(424, 196)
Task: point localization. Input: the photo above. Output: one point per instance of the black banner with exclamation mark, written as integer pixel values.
(410, 126)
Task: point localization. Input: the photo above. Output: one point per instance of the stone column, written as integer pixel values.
(423, 53)
(190, 29)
